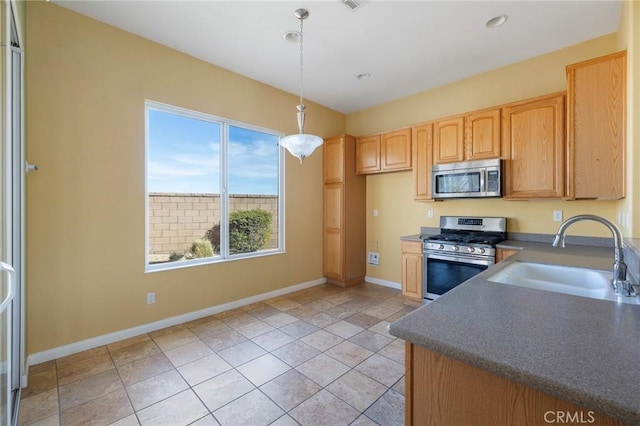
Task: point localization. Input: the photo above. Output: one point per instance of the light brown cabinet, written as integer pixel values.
(596, 113)
(534, 148)
(440, 390)
(502, 254)
(396, 150)
(482, 134)
(387, 152)
(448, 140)
(368, 154)
(422, 157)
(412, 269)
(344, 218)
(469, 137)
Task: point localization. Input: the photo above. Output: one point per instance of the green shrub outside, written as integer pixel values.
(249, 231)
(201, 248)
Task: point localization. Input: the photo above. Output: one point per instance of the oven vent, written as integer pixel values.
(353, 4)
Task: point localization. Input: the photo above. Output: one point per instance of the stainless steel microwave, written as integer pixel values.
(469, 179)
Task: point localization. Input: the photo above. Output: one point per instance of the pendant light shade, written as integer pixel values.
(301, 145)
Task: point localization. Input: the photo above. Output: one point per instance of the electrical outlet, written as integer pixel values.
(374, 258)
(375, 212)
(430, 214)
(557, 215)
(151, 298)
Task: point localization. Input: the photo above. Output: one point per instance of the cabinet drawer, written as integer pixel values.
(412, 247)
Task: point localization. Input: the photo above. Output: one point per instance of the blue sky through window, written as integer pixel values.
(184, 157)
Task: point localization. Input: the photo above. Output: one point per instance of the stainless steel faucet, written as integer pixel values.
(620, 284)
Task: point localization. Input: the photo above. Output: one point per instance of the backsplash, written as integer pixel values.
(632, 258)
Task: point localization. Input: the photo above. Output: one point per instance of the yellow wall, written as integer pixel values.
(629, 39)
(391, 193)
(86, 86)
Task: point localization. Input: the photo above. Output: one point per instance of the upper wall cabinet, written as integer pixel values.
(448, 140)
(596, 112)
(368, 154)
(384, 153)
(474, 136)
(422, 157)
(533, 148)
(482, 134)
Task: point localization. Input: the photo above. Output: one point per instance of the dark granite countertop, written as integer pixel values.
(582, 350)
(415, 237)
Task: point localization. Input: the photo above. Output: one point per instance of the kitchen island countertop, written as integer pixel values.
(582, 350)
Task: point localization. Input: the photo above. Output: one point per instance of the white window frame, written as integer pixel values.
(224, 123)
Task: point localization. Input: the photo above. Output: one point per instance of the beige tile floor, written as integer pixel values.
(320, 356)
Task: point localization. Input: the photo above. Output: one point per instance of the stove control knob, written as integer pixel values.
(455, 248)
(471, 249)
(441, 246)
(481, 251)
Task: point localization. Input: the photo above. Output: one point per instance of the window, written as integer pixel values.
(213, 188)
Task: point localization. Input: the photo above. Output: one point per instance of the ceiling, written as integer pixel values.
(406, 46)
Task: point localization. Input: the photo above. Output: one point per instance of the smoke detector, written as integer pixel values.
(353, 4)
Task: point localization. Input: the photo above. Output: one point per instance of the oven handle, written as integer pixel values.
(460, 259)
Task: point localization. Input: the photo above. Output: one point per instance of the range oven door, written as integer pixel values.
(442, 273)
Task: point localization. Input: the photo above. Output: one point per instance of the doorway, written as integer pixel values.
(12, 250)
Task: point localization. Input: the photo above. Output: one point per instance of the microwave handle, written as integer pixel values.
(483, 182)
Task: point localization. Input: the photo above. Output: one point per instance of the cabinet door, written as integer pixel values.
(334, 232)
(368, 154)
(333, 160)
(396, 150)
(482, 135)
(596, 112)
(422, 156)
(412, 269)
(448, 140)
(502, 254)
(533, 145)
(412, 275)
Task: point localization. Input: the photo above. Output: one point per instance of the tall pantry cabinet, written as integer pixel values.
(344, 225)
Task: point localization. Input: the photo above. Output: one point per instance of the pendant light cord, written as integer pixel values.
(301, 58)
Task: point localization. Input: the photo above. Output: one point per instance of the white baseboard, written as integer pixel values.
(385, 283)
(106, 339)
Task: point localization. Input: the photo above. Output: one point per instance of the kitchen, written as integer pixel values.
(77, 280)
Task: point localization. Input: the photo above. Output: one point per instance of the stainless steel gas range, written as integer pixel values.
(464, 248)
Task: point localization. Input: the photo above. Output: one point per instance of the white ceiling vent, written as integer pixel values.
(354, 4)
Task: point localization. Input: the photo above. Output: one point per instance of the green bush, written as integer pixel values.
(201, 248)
(213, 235)
(249, 231)
(175, 256)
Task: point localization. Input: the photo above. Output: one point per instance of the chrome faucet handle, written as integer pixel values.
(623, 288)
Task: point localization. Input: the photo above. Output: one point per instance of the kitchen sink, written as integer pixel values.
(583, 282)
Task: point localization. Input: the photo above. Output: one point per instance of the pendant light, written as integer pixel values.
(301, 145)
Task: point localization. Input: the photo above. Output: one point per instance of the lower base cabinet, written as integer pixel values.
(502, 254)
(412, 269)
(442, 391)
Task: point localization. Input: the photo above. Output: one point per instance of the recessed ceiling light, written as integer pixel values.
(363, 76)
(291, 36)
(496, 21)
